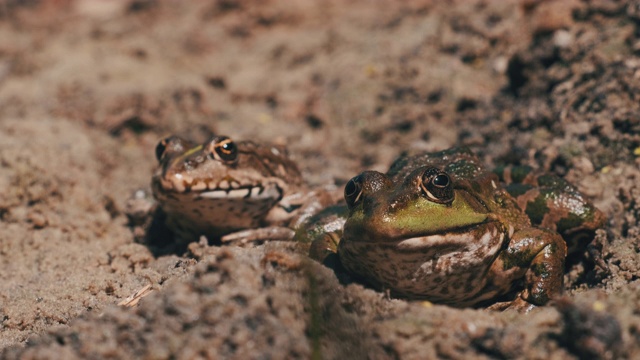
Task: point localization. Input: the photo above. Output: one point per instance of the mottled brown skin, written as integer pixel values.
(439, 227)
(222, 186)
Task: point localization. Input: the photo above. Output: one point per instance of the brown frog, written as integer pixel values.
(222, 186)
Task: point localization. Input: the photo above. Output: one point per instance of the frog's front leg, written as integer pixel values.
(293, 211)
(296, 209)
(257, 235)
(538, 255)
(325, 246)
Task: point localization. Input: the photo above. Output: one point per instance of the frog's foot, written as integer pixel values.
(543, 279)
(538, 255)
(596, 250)
(139, 208)
(324, 246)
(499, 306)
(518, 304)
(257, 235)
(142, 211)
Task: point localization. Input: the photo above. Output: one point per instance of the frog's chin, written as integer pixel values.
(259, 192)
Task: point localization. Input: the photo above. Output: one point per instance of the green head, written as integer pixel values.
(427, 201)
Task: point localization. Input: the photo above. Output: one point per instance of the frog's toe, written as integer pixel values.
(139, 207)
(520, 305)
(258, 235)
(324, 246)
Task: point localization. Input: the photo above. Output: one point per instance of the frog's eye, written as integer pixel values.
(225, 149)
(171, 144)
(160, 148)
(437, 186)
(353, 191)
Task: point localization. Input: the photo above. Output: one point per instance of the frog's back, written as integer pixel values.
(271, 160)
(459, 162)
(553, 203)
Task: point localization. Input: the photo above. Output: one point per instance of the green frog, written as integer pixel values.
(221, 187)
(439, 227)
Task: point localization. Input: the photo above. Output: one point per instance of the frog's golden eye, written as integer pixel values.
(224, 149)
(160, 148)
(437, 186)
(171, 144)
(353, 191)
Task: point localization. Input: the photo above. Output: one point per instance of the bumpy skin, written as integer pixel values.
(439, 227)
(222, 186)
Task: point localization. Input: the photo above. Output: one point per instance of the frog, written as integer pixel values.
(440, 227)
(227, 190)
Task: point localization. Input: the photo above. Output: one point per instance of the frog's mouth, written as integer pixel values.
(471, 235)
(257, 192)
(228, 189)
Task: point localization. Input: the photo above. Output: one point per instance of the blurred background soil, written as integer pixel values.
(88, 87)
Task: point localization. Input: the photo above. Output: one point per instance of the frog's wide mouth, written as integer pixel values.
(470, 236)
(420, 239)
(200, 190)
(258, 192)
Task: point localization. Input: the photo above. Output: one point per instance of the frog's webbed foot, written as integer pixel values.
(258, 235)
(139, 208)
(596, 249)
(324, 246)
(499, 306)
(146, 219)
(544, 277)
(518, 304)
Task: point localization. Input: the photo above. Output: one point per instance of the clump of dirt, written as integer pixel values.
(88, 87)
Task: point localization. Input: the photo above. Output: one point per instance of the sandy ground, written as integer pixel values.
(88, 87)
